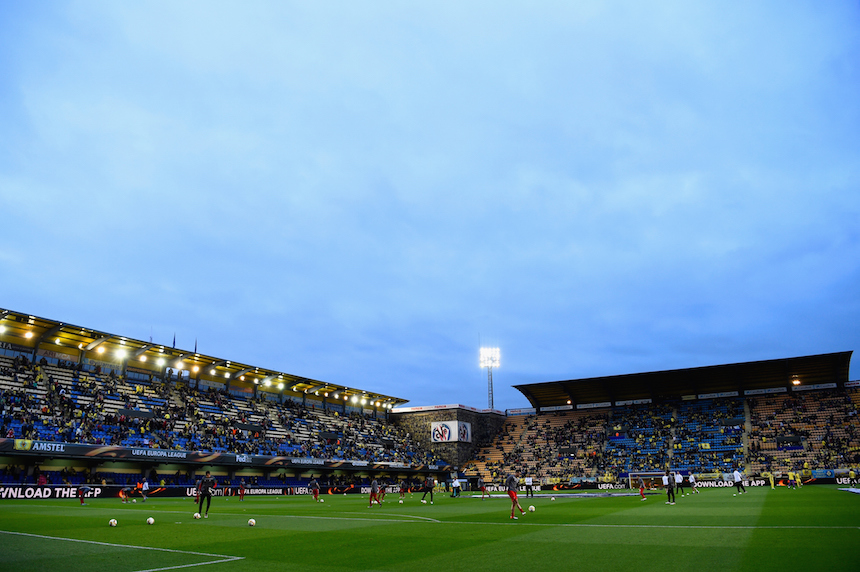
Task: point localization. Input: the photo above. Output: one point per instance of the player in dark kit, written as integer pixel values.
(207, 486)
(402, 490)
(83, 491)
(383, 483)
(314, 486)
(669, 483)
(242, 490)
(482, 487)
(429, 483)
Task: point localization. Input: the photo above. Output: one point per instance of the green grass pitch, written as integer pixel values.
(814, 528)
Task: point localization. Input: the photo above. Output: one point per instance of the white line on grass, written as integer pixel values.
(684, 526)
(389, 514)
(412, 518)
(223, 557)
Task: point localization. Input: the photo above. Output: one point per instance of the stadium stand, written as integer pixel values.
(802, 432)
(68, 403)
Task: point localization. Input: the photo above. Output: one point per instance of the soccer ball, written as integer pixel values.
(150, 520)
(112, 522)
(531, 508)
(552, 498)
(400, 501)
(322, 500)
(134, 500)
(197, 516)
(252, 522)
(734, 495)
(423, 501)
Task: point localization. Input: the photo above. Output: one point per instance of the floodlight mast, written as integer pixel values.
(490, 359)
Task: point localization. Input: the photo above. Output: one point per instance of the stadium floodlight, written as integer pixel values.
(490, 358)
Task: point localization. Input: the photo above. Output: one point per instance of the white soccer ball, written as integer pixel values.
(112, 522)
(735, 494)
(252, 522)
(552, 498)
(134, 500)
(150, 520)
(423, 501)
(197, 515)
(322, 500)
(400, 501)
(531, 508)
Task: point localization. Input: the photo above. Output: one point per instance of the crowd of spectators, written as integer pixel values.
(65, 402)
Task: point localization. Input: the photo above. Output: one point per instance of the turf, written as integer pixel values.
(814, 528)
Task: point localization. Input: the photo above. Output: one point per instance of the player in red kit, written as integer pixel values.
(512, 483)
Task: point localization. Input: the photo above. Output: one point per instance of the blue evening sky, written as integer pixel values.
(365, 192)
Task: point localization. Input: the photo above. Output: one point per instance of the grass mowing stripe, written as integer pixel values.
(223, 557)
(231, 559)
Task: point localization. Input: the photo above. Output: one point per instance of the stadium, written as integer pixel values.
(106, 439)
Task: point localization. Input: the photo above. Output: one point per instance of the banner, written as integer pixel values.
(117, 453)
(450, 432)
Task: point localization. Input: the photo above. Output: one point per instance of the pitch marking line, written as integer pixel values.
(223, 557)
(412, 516)
(686, 527)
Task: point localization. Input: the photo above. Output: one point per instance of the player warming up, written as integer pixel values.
(207, 486)
(314, 486)
(242, 490)
(374, 492)
(512, 482)
(642, 488)
(125, 494)
(739, 483)
(693, 487)
(428, 488)
(669, 483)
(482, 487)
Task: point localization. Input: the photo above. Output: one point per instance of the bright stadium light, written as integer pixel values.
(490, 358)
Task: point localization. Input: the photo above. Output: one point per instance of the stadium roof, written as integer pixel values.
(76, 342)
(674, 384)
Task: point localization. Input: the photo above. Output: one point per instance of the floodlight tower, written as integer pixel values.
(489, 360)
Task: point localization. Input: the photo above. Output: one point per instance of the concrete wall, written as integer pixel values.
(485, 426)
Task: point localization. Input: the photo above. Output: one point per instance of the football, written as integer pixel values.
(252, 522)
(150, 520)
(112, 522)
(423, 501)
(322, 500)
(197, 515)
(531, 508)
(552, 498)
(134, 500)
(400, 501)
